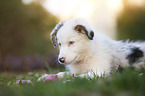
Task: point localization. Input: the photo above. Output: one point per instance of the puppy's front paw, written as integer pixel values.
(47, 77)
(42, 77)
(51, 77)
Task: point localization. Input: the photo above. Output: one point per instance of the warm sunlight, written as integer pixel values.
(114, 5)
(137, 2)
(65, 9)
(101, 13)
(27, 1)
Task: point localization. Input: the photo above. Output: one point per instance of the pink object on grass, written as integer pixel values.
(51, 77)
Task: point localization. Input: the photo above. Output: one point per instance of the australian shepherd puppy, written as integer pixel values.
(86, 52)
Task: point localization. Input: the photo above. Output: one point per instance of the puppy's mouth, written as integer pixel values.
(71, 61)
(75, 60)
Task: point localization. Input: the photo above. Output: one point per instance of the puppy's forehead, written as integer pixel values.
(66, 31)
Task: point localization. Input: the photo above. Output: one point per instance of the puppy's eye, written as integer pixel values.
(59, 44)
(71, 42)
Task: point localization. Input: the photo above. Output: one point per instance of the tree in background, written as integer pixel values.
(24, 29)
(131, 22)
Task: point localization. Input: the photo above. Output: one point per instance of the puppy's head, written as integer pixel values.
(73, 37)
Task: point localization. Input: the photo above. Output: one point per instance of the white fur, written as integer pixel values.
(98, 56)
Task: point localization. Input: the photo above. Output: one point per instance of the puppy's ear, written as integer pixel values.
(54, 32)
(82, 29)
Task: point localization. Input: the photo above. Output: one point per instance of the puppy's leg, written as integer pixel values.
(62, 74)
(53, 76)
(90, 75)
(42, 77)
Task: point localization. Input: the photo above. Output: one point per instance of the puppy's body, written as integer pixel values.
(85, 51)
(103, 55)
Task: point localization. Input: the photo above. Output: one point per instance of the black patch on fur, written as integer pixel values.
(54, 32)
(91, 35)
(120, 69)
(135, 55)
(82, 28)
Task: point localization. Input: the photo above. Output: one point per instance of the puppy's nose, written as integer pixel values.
(62, 59)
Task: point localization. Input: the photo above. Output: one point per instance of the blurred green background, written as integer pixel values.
(131, 22)
(24, 36)
(25, 29)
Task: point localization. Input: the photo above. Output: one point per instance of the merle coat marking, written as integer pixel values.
(135, 55)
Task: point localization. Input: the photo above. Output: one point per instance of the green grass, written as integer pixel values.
(130, 82)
